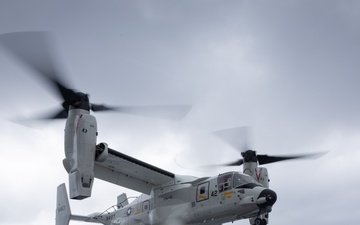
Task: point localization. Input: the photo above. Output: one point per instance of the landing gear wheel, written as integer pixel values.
(259, 221)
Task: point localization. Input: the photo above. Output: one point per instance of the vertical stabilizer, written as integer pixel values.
(63, 212)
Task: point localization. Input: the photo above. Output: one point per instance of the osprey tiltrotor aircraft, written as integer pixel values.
(166, 198)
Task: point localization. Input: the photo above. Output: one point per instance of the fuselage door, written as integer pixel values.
(202, 192)
(201, 209)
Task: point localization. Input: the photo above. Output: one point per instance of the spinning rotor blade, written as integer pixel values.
(33, 50)
(63, 114)
(237, 163)
(238, 138)
(171, 112)
(265, 159)
(102, 107)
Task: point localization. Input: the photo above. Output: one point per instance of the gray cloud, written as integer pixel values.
(288, 69)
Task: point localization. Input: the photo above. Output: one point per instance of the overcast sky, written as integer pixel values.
(288, 69)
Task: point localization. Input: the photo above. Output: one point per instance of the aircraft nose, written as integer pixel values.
(266, 199)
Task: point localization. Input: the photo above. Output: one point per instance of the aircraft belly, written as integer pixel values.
(218, 212)
(172, 214)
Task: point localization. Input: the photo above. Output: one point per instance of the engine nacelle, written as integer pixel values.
(80, 148)
(260, 174)
(102, 152)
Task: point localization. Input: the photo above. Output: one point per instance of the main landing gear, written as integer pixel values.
(259, 221)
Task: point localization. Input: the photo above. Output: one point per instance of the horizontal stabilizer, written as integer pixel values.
(63, 212)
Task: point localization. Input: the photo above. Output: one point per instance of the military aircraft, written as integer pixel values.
(166, 198)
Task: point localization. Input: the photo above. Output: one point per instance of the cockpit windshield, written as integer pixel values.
(244, 181)
(236, 180)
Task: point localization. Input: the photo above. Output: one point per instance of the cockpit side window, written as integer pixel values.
(225, 182)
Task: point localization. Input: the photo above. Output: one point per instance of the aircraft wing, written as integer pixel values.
(128, 172)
